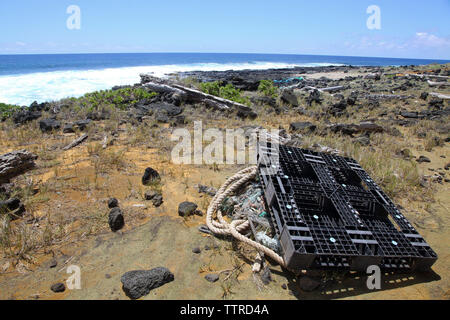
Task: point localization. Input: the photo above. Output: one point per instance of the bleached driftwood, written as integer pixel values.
(440, 95)
(430, 76)
(192, 95)
(329, 89)
(387, 96)
(76, 142)
(438, 84)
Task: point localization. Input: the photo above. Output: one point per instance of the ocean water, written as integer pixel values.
(28, 78)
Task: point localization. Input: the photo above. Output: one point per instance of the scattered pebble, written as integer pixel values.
(187, 208)
(423, 159)
(58, 287)
(212, 277)
(116, 220)
(113, 203)
(53, 263)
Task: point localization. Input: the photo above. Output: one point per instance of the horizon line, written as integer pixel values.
(195, 52)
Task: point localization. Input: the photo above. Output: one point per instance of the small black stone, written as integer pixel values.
(116, 220)
(212, 277)
(150, 175)
(196, 250)
(58, 287)
(53, 263)
(113, 203)
(157, 200)
(187, 208)
(423, 159)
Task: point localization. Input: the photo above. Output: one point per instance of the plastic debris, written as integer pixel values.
(267, 241)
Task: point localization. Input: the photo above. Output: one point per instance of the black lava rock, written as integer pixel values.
(116, 220)
(80, 125)
(150, 175)
(48, 125)
(196, 250)
(314, 96)
(302, 126)
(423, 159)
(139, 283)
(247, 113)
(352, 98)
(113, 203)
(26, 115)
(187, 208)
(13, 207)
(150, 194)
(58, 287)
(10, 204)
(289, 97)
(424, 95)
(157, 200)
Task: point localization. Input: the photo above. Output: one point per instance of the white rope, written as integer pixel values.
(220, 226)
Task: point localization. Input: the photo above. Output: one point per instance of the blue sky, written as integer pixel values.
(409, 29)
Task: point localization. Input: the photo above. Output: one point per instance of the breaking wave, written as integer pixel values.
(51, 86)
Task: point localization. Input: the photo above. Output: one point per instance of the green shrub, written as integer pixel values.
(121, 98)
(228, 92)
(267, 88)
(212, 88)
(6, 110)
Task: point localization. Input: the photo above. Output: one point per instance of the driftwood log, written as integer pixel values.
(440, 95)
(387, 96)
(191, 95)
(76, 142)
(329, 89)
(438, 84)
(15, 163)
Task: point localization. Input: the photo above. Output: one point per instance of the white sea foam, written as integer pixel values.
(50, 86)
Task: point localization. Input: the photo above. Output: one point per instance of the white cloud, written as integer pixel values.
(430, 40)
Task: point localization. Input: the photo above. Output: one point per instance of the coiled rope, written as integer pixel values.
(222, 227)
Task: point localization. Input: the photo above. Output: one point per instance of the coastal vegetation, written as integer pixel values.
(119, 98)
(6, 110)
(224, 91)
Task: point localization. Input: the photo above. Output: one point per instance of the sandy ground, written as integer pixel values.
(165, 239)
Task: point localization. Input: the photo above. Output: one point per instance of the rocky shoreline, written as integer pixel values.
(68, 165)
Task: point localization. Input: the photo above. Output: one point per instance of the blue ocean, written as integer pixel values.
(26, 78)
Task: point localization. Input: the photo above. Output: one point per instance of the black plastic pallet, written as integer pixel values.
(329, 214)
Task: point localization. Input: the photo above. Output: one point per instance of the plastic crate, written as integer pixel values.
(329, 213)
